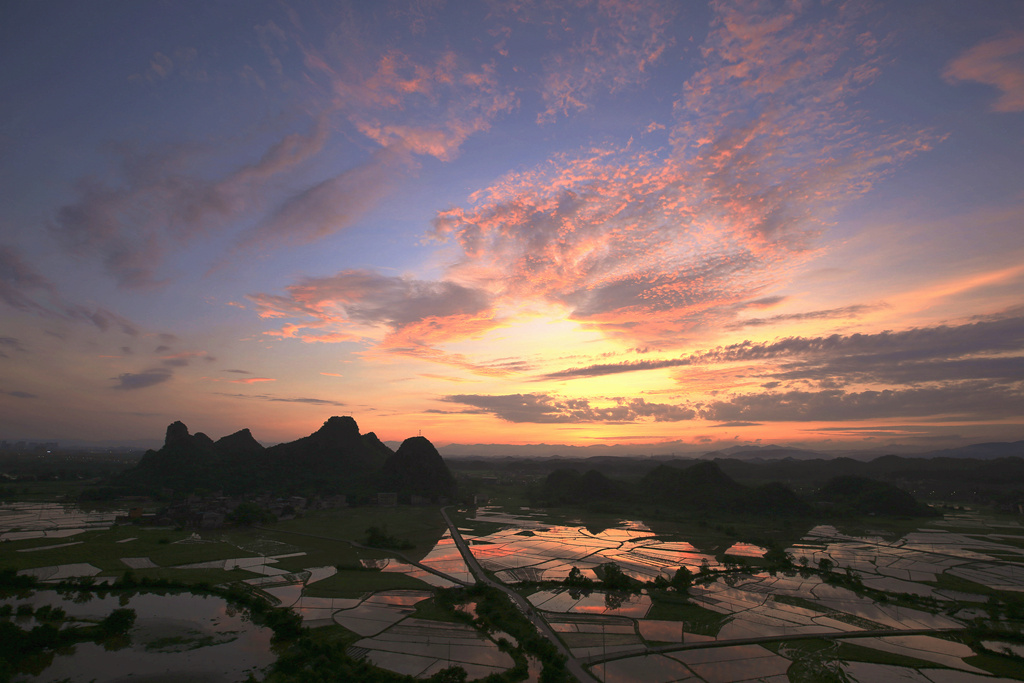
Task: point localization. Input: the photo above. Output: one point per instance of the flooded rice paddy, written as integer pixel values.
(622, 637)
(760, 605)
(23, 521)
(529, 550)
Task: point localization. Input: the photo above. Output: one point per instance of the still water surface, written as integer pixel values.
(175, 638)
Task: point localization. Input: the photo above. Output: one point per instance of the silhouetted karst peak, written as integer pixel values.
(177, 433)
(335, 450)
(416, 468)
(338, 431)
(335, 458)
(241, 441)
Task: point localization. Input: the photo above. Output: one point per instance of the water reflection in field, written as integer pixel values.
(749, 605)
(759, 604)
(22, 521)
(399, 567)
(527, 550)
(445, 557)
(178, 636)
(595, 602)
(746, 550)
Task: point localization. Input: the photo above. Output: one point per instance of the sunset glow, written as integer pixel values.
(675, 225)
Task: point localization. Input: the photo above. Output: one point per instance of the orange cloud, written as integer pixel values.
(398, 315)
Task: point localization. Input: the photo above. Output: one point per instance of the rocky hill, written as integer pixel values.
(417, 469)
(334, 459)
(703, 487)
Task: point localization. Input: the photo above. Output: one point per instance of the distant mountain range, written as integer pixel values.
(703, 487)
(980, 451)
(664, 451)
(334, 459)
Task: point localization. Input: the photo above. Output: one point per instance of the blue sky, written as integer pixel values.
(660, 223)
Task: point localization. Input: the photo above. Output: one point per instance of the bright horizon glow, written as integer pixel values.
(674, 225)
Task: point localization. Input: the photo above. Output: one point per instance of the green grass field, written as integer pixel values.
(675, 607)
(315, 540)
(102, 549)
(353, 584)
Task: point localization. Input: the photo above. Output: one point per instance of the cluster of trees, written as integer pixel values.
(378, 537)
(495, 612)
(31, 650)
(612, 578)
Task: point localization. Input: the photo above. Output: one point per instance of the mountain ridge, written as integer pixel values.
(336, 458)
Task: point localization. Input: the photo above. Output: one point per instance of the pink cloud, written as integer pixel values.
(409, 105)
(997, 62)
(653, 246)
(400, 315)
(252, 380)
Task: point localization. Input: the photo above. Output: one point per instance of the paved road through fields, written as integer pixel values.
(572, 664)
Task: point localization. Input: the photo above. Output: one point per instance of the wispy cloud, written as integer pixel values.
(19, 394)
(23, 288)
(185, 358)
(285, 399)
(992, 347)
(998, 62)
(131, 381)
(853, 311)
(962, 400)
(601, 369)
(163, 203)
(325, 208)
(10, 344)
(548, 409)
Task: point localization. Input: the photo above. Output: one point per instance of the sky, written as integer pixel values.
(674, 225)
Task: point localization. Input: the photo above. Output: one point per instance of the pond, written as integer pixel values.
(175, 637)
